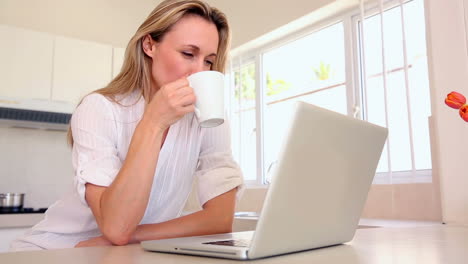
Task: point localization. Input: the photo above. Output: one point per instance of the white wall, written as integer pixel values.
(448, 65)
(36, 162)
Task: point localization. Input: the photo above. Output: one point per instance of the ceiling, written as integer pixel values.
(115, 21)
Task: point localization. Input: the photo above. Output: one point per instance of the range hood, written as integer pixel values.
(35, 113)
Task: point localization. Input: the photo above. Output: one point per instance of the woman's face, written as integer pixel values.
(189, 47)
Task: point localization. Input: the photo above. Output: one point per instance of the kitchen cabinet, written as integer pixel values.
(9, 234)
(26, 59)
(45, 66)
(117, 60)
(80, 67)
(13, 226)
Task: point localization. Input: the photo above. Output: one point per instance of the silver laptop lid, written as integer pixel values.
(319, 188)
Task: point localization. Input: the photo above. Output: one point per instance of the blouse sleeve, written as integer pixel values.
(94, 154)
(217, 171)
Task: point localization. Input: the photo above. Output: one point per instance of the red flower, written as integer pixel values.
(455, 100)
(464, 112)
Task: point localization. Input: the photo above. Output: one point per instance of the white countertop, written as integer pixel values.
(19, 220)
(244, 221)
(432, 244)
(28, 220)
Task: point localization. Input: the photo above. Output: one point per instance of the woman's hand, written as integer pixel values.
(94, 242)
(170, 103)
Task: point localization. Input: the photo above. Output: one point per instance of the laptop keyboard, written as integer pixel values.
(232, 243)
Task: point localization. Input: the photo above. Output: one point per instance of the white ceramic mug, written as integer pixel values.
(209, 90)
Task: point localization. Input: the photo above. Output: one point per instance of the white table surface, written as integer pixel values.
(424, 244)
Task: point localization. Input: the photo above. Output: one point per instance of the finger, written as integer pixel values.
(184, 91)
(187, 100)
(188, 109)
(180, 98)
(177, 84)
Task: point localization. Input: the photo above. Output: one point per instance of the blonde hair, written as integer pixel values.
(136, 69)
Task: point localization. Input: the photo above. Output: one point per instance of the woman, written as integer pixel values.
(137, 146)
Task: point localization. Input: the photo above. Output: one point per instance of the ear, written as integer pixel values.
(148, 46)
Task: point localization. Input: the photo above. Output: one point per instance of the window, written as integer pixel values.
(393, 97)
(243, 121)
(345, 67)
(310, 69)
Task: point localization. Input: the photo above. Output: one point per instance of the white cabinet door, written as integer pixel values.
(7, 235)
(80, 67)
(25, 63)
(118, 57)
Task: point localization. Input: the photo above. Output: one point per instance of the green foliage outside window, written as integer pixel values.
(246, 79)
(322, 72)
(276, 86)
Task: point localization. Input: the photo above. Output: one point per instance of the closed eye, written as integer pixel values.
(187, 54)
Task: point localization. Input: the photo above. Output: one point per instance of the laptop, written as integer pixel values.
(317, 192)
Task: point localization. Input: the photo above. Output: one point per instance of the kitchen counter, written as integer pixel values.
(243, 221)
(28, 220)
(19, 220)
(249, 221)
(424, 244)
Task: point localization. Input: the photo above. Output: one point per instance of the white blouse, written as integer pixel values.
(102, 131)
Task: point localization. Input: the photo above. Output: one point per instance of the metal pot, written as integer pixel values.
(11, 202)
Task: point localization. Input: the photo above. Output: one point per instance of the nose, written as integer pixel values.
(198, 66)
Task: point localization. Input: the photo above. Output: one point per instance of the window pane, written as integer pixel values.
(243, 121)
(397, 103)
(418, 82)
(310, 69)
(421, 111)
(376, 113)
(400, 151)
